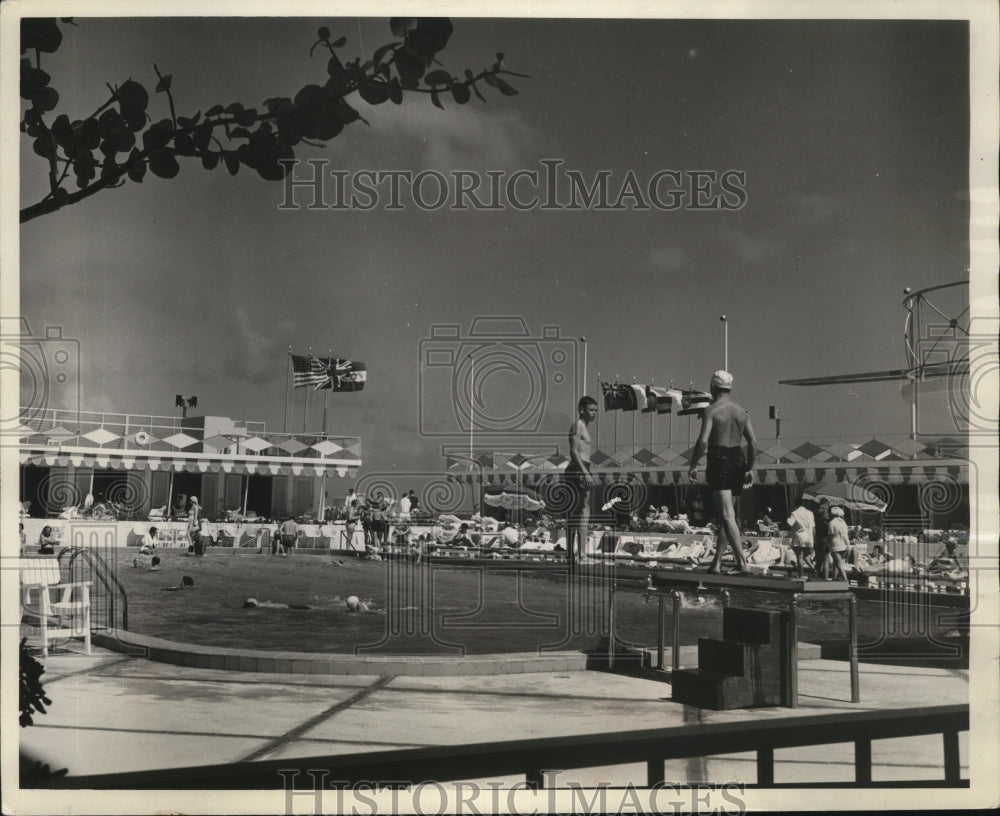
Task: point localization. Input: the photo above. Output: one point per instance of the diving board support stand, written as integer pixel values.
(678, 582)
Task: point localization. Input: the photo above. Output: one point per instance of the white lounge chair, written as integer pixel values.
(67, 616)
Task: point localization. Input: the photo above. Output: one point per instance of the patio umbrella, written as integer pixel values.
(854, 496)
(513, 498)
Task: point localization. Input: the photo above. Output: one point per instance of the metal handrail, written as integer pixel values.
(104, 576)
(532, 757)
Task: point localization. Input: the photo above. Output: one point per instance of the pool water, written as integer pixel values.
(433, 609)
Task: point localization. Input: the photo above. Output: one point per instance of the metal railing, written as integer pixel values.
(532, 757)
(43, 419)
(108, 598)
(124, 429)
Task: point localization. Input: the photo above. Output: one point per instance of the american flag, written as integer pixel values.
(308, 371)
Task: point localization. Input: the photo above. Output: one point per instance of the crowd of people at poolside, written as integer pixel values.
(821, 546)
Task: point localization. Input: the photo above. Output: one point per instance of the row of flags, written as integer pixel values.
(653, 399)
(332, 373)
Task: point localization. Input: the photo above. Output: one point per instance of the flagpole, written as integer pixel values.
(725, 342)
(288, 389)
(690, 388)
(472, 403)
(635, 417)
(616, 421)
(652, 416)
(305, 402)
(600, 410)
(326, 393)
(670, 419)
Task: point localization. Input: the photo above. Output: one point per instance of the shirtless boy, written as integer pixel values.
(579, 479)
(724, 426)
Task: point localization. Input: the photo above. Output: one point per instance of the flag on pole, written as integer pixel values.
(639, 398)
(694, 401)
(618, 397)
(343, 375)
(657, 400)
(307, 370)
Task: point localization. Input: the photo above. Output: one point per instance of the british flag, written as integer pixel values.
(343, 375)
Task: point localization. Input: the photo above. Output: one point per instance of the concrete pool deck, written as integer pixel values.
(113, 713)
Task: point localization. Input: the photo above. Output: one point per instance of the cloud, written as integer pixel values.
(253, 357)
(814, 208)
(669, 259)
(750, 248)
(458, 137)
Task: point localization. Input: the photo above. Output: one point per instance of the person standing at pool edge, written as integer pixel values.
(579, 479)
(724, 425)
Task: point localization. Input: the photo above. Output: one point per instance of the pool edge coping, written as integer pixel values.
(337, 663)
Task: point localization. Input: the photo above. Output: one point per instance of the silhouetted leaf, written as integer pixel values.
(479, 96)
(62, 129)
(400, 25)
(374, 93)
(210, 161)
(438, 78)
(202, 135)
(505, 89)
(121, 141)
(232, 162)
(410, 68)
(186, 122)
(395, 91)
(340, 42)
(309, 96)
(132, 94)
(44, 99)
(323, 33)
(435, 99)
(239, 133)
(89, 134)
(184, 144)
(437, 29)
(234, 108)
(163, 164)
(43, 146)
(162, 87)
(380, 52)
(215, 110)
(157, 135)
(109, 169)
(460, 93)
(32, 80)
(43, 34)
(246, 117)
(109, 121)
(490, 80)
(137, 172)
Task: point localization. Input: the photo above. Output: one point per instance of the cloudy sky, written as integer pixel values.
(851, 138)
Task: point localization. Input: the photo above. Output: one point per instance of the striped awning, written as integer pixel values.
(251, 467)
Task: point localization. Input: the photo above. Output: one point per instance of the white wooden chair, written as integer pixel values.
(67, 616)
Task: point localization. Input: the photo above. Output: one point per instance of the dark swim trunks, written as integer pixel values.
(725, 469)
(576, 481)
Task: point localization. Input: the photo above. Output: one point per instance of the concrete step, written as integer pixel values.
(708, 689)
(724, 656)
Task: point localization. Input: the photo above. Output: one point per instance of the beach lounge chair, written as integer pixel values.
(67, 616)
